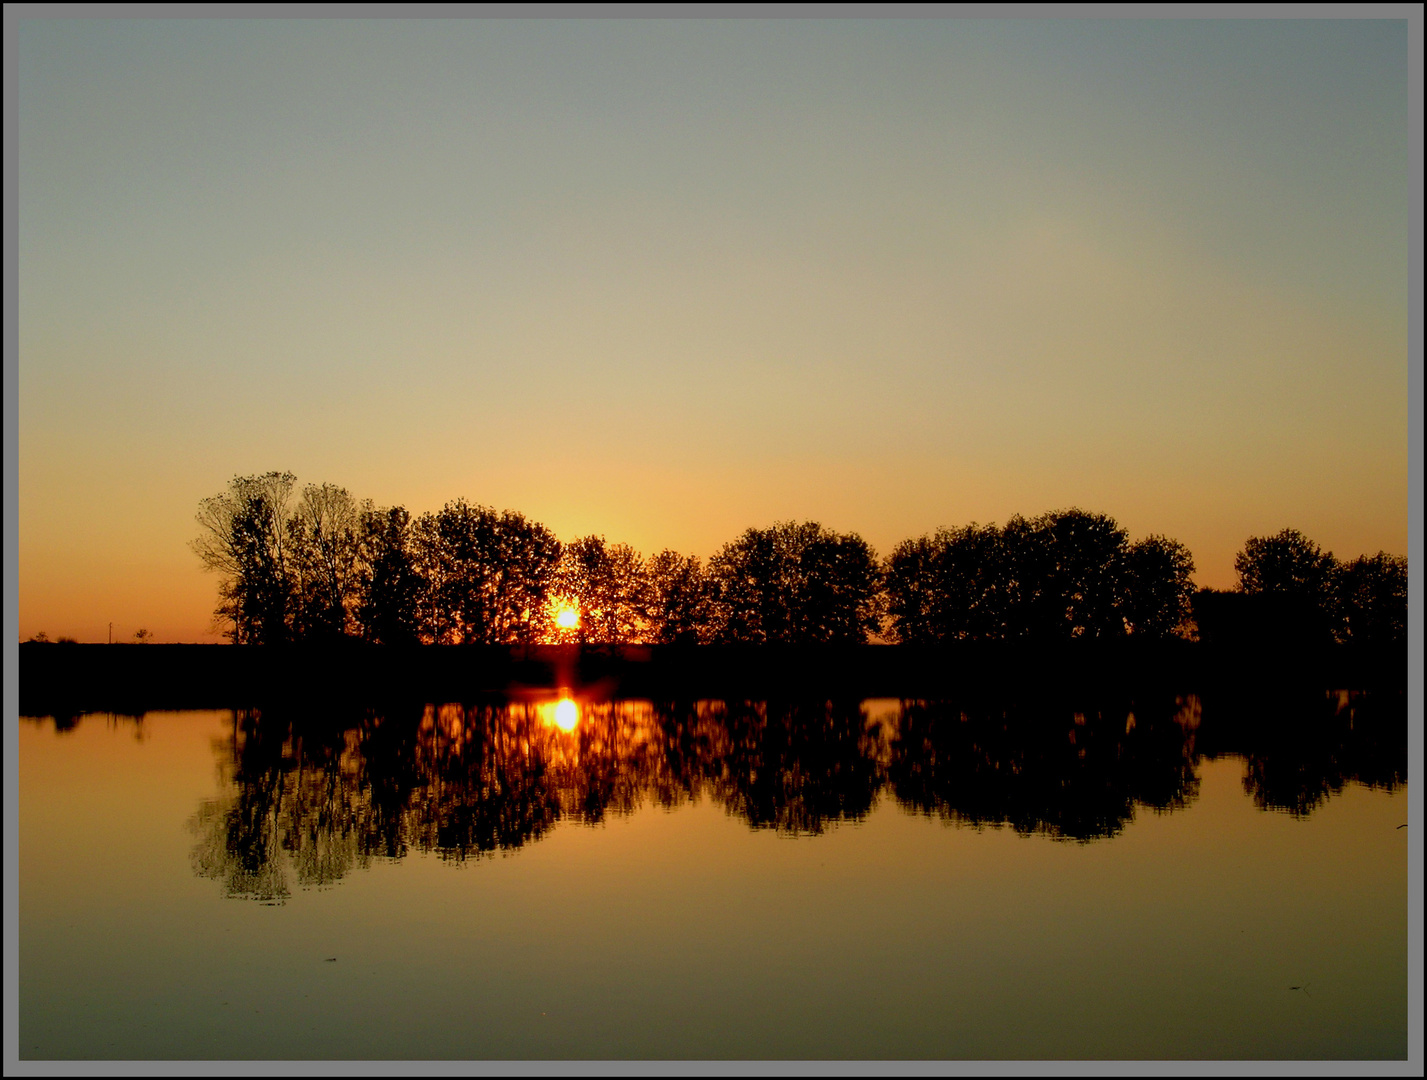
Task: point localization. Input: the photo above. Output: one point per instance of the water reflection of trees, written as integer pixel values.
(309, 796)
(298, 803)
(795, 767)
(1069, 773)
(1302, 747)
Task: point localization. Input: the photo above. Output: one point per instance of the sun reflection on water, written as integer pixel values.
(563, 714)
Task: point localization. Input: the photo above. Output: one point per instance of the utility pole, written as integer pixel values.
(111, 633)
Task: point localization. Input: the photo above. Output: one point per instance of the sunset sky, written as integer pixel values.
(666, 280)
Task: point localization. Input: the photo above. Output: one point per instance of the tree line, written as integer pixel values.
(316, 564)
(1362, 600)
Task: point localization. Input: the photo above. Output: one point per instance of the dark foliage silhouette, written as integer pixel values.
(388, 610)
(676, 599)
(952, 586)
(1297, 581)
(1299, 593)
(244, 536)
(487, 577)
(327, 567)
(1064, 575)
(1066, 570)
(794, 584)
(1288, 563)
(325, 537)
(606, 585)
(1158, 586)
(1372, 600)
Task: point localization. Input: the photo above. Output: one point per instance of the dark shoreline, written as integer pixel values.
(73, 678)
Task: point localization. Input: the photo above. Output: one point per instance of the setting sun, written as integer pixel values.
(567, 618)
(567, 715)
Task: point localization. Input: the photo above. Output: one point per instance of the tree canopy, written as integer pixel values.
(1065, 574)
(794, 584)
(319, 565)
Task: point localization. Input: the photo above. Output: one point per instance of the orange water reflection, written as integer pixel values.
(563, 714)
(467, 780)
(1204, 890)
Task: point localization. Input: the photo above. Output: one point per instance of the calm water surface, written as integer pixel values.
(546, 878)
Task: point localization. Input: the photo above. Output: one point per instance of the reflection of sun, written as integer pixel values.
(567, 618)
(563, 714)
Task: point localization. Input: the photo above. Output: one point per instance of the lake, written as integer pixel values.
(556, 877)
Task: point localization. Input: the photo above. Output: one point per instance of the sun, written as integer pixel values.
(567, 618)
(567, 715)
(563, 713)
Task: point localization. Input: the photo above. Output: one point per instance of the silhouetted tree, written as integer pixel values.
(1372, 599)
(909, 580)
(794, 583)
(1158, 585)
(1065, 571)
(392, 587)
(327, 557)
(676, 599)
(437, 572)
(948, 587)
(1065, 574)
(1297, 583)
(329, 567)
(1287, 563)
(244, 536)
(487, 576)
(606, 584)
